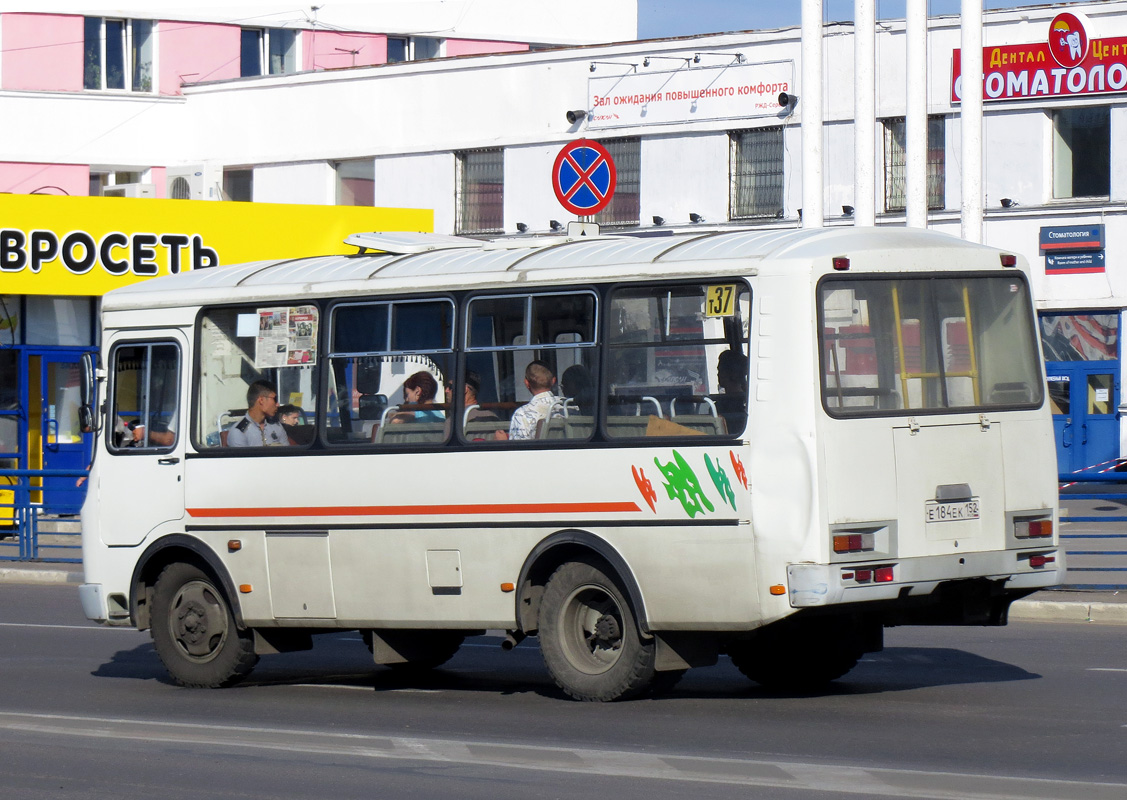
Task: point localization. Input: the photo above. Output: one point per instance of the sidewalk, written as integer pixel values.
(1054, 605)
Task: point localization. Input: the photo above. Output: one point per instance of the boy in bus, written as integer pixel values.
(539, 380)
(731, 377)
(259, 427)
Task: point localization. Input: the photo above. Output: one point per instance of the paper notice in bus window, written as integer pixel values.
(286, 337)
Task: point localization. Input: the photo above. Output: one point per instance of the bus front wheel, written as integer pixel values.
(589, 638)
(194, 630)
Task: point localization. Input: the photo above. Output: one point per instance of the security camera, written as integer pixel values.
(788, 100)
(574, 116)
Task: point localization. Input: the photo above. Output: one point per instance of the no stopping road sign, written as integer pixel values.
(584, 177)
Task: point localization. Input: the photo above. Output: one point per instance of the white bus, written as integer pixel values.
(769, 445)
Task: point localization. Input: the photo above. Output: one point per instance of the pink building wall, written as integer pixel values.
(42, 52)
(72, 179)
(194, 52)
(472, 47)
(332, 49)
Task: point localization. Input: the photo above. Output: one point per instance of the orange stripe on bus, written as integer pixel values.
(395, 511)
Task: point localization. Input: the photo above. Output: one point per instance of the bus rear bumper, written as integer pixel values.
(813, 585)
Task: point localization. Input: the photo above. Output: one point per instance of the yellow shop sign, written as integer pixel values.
(89, 245)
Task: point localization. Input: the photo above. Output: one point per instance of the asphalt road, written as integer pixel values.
(1035, 710)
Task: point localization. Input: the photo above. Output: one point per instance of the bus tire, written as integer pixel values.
(589, 637)
(798, 658)
(194, 631)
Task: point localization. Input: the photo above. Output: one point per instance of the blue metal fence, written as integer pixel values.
(1095, 544)
(23, 523)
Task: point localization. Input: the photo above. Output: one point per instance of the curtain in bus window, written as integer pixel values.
(927, 344)
(389, 364)
(516, 342)
(276, 343)
(678, 360)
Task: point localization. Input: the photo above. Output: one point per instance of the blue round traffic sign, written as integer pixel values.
(584, 177)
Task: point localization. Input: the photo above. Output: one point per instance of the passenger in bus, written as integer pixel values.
(420, 390)
(293, 420)
(731, 377)
(577, 384)
(539, 380)
(259, 427)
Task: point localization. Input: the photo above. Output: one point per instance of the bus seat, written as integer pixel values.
(705, 423)
(620, 427)
(409, 433)
(223, 438)
(483, 429)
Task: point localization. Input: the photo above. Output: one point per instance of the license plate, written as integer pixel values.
(951, 512)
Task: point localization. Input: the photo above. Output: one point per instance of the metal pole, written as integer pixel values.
(915, 126)
(970, 117)
(864, 113)
(810, 98)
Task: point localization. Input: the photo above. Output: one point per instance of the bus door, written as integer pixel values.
(1084, 396)
(55, 440)
(145, 437)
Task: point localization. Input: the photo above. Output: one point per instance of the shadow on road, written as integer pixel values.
(342, 660)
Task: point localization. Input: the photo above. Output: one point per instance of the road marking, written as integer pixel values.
(1107, 669)
(69, 627)
(793, 775)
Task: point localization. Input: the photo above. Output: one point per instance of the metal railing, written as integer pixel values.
(27, 532)
(1097, 556)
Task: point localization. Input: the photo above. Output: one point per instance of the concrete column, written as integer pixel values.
(810, 104)
(970, 118)
(864, 113)
(916, 114)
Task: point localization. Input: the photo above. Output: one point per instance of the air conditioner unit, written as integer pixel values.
(130, 190)
(193, 182)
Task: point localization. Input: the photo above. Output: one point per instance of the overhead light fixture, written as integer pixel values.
(633, 67)
(522, 227)
(575, 116)
(659, 220)
(647, 59)
(847, 211)
(1008, 202)
(555, 225)
(695, 217)
(738, 57)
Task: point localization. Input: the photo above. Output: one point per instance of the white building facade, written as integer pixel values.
(698, 138)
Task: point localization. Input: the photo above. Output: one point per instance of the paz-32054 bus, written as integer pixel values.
(647, 452)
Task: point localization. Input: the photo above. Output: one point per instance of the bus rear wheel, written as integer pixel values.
(800, 657)
(589, 637)
(194, 630)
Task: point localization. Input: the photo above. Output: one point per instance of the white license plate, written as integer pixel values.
(951, 512)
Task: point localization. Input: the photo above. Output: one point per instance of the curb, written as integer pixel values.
(39, 576)
(1059, 611)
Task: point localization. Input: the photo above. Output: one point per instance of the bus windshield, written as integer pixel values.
(927, 344)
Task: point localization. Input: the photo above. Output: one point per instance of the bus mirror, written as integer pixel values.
(89, 392)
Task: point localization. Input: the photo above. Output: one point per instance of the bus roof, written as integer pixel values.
(518, 260)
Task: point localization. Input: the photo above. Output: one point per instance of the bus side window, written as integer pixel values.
(677, 360)
(145, 397)
(241, 346)
(530, 368)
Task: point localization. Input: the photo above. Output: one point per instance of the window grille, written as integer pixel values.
(756, 174)
(480, 186)
(895, 163)
(625, 207)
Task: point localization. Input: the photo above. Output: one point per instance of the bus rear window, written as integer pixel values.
(927, 344)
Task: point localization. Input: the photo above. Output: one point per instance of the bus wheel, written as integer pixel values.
(799, 657)
(194, 631)
(588, 635)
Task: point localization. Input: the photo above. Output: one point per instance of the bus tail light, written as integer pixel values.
(840, 263)
(1028, 528)
(883, 575)
(1041, 560)
(1009, 260)
(853, 542)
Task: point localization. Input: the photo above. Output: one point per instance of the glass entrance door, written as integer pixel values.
(1082, 366)
(55, 440)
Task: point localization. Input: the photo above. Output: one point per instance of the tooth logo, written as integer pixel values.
(1068, 40)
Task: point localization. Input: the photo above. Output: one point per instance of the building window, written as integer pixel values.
(1082, 152)
(356, 185)
(118, 54)
(625, 206)
(895, 165)
(268, 51)
(481, 183)
(756, 174)
(414, 48)
(238, 184)
(99, 181)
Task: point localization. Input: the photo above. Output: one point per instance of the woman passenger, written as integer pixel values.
(420, 390)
